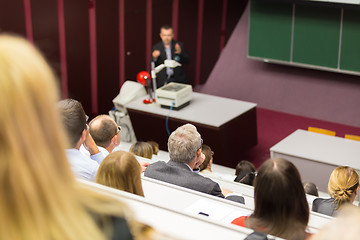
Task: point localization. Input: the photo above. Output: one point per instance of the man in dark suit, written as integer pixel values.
(169, 49)
(184, 146)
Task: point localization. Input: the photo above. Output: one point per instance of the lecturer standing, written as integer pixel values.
(169, 49)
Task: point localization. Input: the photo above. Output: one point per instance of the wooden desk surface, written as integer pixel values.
(321, 148)
(204, 109)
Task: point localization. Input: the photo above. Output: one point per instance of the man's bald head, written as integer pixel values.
(102, 129)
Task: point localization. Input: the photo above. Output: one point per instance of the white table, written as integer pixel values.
(316, 155)
(228, 126)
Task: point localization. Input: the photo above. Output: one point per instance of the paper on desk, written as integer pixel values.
(213, 210)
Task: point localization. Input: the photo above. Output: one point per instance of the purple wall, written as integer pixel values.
(311, 93)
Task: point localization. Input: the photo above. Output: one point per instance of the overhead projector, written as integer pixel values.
(174, 95)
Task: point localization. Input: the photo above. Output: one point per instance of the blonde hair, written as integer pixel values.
(343, 183)
(40, 198)
(142, 149)
(121, 170)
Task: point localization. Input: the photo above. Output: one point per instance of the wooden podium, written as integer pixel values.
(228, 126)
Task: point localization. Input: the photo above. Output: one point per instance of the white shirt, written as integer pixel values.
(83, 166)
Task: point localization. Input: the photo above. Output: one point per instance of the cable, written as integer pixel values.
(167, 118)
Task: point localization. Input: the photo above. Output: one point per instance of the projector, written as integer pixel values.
(173, 94)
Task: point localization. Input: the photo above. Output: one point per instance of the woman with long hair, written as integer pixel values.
(40, 198)
(343, 187)
(281, 208)
(121, 170)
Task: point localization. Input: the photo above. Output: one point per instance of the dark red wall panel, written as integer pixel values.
(211, 37)
(45, 31)
(12, 17)
(162, 14)
(187, 33)
(135, 38)
(107, 34)
(78, 51)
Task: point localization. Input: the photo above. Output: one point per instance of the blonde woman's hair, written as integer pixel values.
(40, 198)
(343, 183)
(142, 149)
(121, 170)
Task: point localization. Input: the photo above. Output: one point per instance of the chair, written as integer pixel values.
(352, 137)
(321, 130)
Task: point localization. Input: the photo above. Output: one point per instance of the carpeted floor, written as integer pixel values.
(274, 126)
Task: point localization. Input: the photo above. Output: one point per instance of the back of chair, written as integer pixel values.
(352, 137)
(322, 131)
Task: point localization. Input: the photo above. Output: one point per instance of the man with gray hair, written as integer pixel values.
(184, 145)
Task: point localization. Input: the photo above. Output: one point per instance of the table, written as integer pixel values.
(228, 126)
(316, 155)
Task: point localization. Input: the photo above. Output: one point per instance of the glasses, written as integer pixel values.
(118, 131)
(86, 118)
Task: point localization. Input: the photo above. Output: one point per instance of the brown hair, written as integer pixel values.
(342, 184)
(102, 130)
(281, 208)
(206, 150)
(73, 118)
(121, 170)
(142, 149)
(155, 146)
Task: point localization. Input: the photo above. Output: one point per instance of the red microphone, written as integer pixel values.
(144, 78)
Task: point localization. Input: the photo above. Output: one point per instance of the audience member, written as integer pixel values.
(311, 189)
(184, 145)
(155, 147)
(245, 173)
(105, 132)
(40, 198)
(205, 167)
(142, 149)
(74, 120)
(345, 226)
(343, 187)
(121, 170)
(281, 208)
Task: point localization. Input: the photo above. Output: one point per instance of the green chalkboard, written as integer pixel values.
(350, 45)
(316, 35)
(270, 30)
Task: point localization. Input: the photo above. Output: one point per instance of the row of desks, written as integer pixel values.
(229, 127)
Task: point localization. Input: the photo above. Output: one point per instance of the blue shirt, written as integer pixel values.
(83, 166)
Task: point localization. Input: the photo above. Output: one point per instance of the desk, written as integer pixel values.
(228, 126)
(316, 155)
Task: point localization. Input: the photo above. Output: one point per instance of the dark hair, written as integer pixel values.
(102, 130)
(281, 208)
(245, 172)
(310, 188)
(74, 119)
(166, 27)
(206, 150)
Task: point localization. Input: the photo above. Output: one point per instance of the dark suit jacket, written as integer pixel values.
(324, 206)
(178, 173)
(179, 73)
